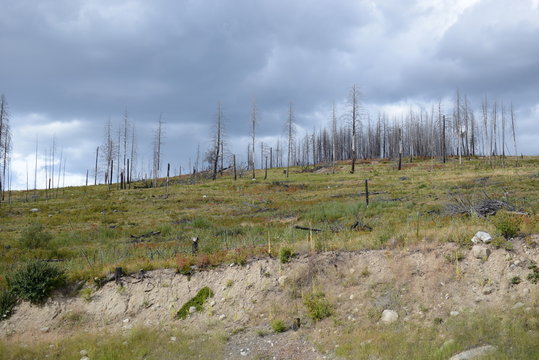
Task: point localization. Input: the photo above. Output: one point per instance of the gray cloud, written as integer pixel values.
(89, 60)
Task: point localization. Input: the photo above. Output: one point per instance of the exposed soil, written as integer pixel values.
(420, 283)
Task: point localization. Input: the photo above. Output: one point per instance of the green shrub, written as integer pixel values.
(317, 306)
(507, 225)
(35, 281)
(278, 325)
(7, 302)
(197, 301)
(533, 276)
(515, 280)
(34, 236)
(285, 254)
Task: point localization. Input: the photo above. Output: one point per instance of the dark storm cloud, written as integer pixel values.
(90, 60)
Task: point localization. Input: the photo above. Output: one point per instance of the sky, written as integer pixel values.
(67, 66)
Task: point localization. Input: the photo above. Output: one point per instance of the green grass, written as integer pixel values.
(94, 229)
(150, 344)
(515, 334)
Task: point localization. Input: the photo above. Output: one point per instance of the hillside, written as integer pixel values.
(408, 251)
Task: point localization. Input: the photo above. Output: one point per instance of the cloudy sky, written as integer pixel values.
(66, 66)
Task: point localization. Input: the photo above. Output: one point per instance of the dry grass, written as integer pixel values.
(95, 229)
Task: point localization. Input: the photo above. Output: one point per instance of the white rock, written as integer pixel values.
(34, 210)
(474, 353)
(282, 280)
(85, 358)
(454, 313)
(481, 237)
(222, 317)
(173, 338)
(126, 321)
(518, 305)
(45, 329)
(192, 310)
(352, 297)
(480, 251)
(244, 352)
(213, 303)
(389, 316)
(83, 353)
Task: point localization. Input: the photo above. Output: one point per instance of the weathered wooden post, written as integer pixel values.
(194, 245)
(367, 192)
(234, 166)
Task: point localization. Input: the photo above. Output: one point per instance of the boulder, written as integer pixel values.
(474, 353)
(480, 251)
(389, 316)
(481, 237)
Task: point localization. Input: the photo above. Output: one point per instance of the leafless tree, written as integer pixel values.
(253, 135)
(290, 133)
(5, 145)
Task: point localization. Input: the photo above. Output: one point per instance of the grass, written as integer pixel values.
(514, 334)
(142, 343)
(197, 302)
(91, 230)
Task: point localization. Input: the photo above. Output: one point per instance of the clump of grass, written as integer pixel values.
(278, 326)
(506, 224)
(533, 276)
(197, 301)
(7, 302)
(515, 280)
(318, 307)
(34, 237)
(35, 281)
(285, 254)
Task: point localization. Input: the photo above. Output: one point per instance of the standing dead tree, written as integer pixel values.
(5, 145)
(157, 143)
(253, 133)
(215, 153)
(290, 133)
(354, 112)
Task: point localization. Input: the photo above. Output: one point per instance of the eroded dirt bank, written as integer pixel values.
(420, 284)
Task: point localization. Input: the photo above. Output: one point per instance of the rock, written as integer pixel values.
(454, 313)
(282, 280)
(474, 353)
(173, 338)
(85, 358)
(481, 237)
(487, 290)
(389, 316)
(126, 321)
(83, 353)
(222, 317)
(213, 303)
(244, 352)
(44, 329)
(518, 305)
(192, 310)
(480, 251)
(34, 210)
(352, 297)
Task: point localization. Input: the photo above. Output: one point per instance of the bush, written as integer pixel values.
(34, 236)
(197, 301)
(285, 254)
(35, 281)
(278, 325)
(317, 306)
(7, 302)
(507, 225)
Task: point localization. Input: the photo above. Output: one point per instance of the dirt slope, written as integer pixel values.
(421, 284)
